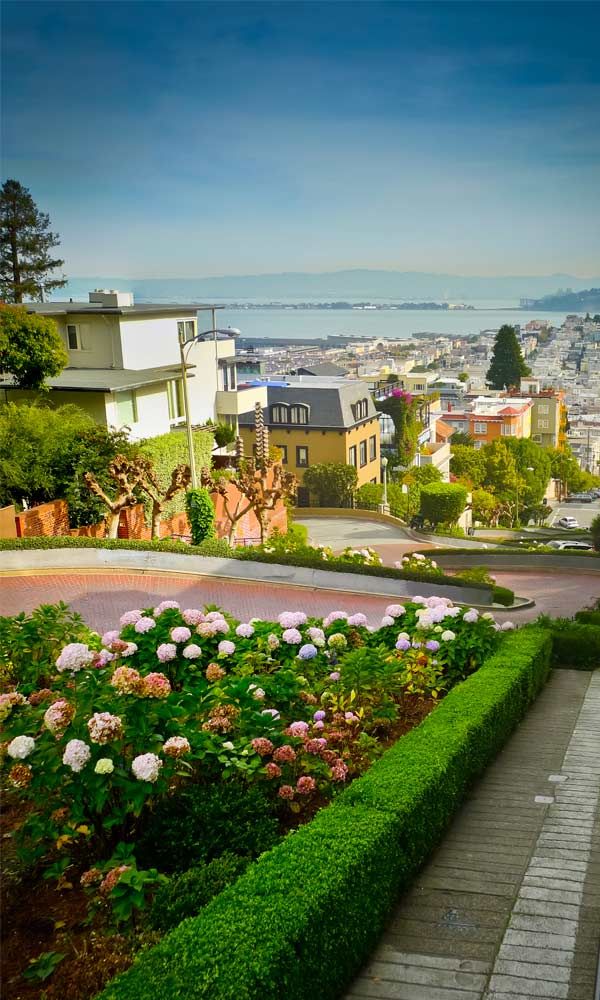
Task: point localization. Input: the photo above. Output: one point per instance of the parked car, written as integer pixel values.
(567, 522)
(579, 498)
(561, 544)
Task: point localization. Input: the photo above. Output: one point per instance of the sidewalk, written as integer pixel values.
(508, 907)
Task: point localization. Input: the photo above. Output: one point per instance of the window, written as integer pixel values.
(283, 449)
(363, 453)
(543, 425)
(480, 427)
(299, 414)
(542, 407)
(73, 338)
(126, 407)
(372, 448)
(186, 329)
(302, 457)
(478, 445)
(175, 398)
(352, 456)
(508, 430)
(279, 414)
(420, 386)
(361, 409)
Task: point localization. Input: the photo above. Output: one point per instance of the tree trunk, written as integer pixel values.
(156, 515)
(113, 529)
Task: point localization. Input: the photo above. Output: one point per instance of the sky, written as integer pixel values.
(172, 139)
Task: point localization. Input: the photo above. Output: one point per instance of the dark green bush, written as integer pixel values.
(211, 547)
(443, 502)
(476, 574)
(588, 617)
(184, 895)
(201, 515)
(30, 644)
(203, 822)
(301, 921)
(503, 596)
(575, 644)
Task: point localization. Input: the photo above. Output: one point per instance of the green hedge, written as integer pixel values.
(218, 547)
(576, 644)
(504, 596)
(303, 919)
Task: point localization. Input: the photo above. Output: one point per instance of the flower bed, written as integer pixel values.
(302, 920)
(118, 747)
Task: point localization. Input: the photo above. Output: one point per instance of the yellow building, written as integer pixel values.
(315, 420)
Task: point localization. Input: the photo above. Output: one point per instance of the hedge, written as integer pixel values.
(576, 644)
(218, 547)
(504, 596)
(303, 919)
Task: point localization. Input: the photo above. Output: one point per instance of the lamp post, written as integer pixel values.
(528, 469)
(384, 500)
(184, 347)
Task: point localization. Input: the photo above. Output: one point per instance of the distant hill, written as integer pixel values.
(587, 300)
(350, 284)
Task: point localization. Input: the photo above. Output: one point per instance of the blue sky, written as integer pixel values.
(191, 139)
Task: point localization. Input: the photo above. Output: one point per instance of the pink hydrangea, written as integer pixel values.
(180, 634)
(226, 648)
(292, 636)
(74, 657)
(58, 716)
(104, 727)
(176, 746)
(130, 649)
(144, 624)
(214, 616)
(192, 652)
(130, 618)
(291, 619)
(244, 631)
(272, 712)
(285, 754)
(103, 658)
(316, 746)
(272, 771)
(206, 630)
(166, 652)
(395, 611)
(192, 616)
(357, 620)
(317, 636)
(262, 746)
(334, 616)
(220, 627)
(306, 785)
(76, 755)
(156, 685)
(334, 675)
(286, 792)
(339, 771)
(146, 767)
(166, 606)
(111, 879)
(298, 729)
(109, 637)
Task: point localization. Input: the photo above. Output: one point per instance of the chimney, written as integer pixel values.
(110, 297)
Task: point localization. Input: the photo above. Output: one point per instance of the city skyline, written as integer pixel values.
(188, 140)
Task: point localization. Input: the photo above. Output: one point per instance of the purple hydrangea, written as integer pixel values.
(403, 645)
(432, 645)
(307, 652)
(319, 716)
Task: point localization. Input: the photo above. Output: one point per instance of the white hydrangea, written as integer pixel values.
(448, 635)
(76, 755)
(20, 747)
(104, 766)
(146, 767)
(192, 652)
(74, 657)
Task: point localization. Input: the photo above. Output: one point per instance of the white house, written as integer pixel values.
(124, 364)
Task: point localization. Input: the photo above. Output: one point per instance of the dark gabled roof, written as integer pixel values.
(331, 401)
(105, 379)
(324, 368)
(97, 309)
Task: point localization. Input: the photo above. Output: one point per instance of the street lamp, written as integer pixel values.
(528, 469)
(184, 347)
(384, 500)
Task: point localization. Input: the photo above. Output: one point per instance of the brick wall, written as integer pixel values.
(47, 519)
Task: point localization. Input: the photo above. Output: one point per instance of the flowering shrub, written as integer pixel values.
(298, 707)
(416, 562)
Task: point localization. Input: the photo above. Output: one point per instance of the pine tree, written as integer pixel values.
(25, 246)
(507, 367)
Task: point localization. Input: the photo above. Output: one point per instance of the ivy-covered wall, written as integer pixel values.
(170, 450)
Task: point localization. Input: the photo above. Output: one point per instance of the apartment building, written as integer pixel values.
(492, 418)
(124, 364)
(315, 420)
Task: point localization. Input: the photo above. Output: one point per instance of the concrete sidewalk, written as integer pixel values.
(508, 907)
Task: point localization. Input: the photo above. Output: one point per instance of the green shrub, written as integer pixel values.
(301, 921)
(369, 496)
(476, 574)
(588, 617)
(443, 503)
(211, 547)
(184, 895)
(332, 484)
(204, 821)
(503, 596)
(30, 644)
(575, 644)
(595, 532)
(169, 450)
(201, 514)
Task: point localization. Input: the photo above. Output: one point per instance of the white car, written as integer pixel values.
(567, 522)
(562, 544)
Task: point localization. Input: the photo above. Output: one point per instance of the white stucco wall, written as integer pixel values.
(100, 339)
(152, 412)
(150, 341)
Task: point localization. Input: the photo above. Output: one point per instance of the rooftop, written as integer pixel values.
(99, 309)
(332, 401)
(105, 379)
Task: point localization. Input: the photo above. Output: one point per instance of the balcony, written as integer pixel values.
(437, 455)
(232, 402)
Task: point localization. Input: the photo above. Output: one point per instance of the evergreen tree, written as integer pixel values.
(507, 367)
(26, 243)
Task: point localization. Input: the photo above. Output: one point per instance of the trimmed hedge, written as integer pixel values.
(504, 596)
(302, 920)
(575, 644)
(218, 547)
